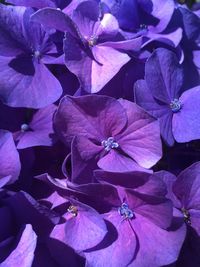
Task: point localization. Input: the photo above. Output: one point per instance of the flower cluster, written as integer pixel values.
(99, 133)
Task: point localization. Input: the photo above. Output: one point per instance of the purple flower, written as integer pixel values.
(146, 18)
(91, 43)
(114, 134)
(10, 163)
(25, 47)
(160, 94)
(138, 217)
(23, 254)
(184, 191)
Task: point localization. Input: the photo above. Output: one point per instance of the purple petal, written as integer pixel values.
(56, 19)
(95, 117)
(185, 123)
(172, 38)
(163, 75)
(144, 98)
(127, 179)
(108, 26)
(10, 163)
(115, 161)
(163, 10)
(158, 210)
(40, 131)
(122, 249)
(29, 85)
(158, 247)
(187, 187)
(141, 139)
(23, 254)
(83, 231)
(33, 3)
(84, 160)
(85, 16)
(12, 42)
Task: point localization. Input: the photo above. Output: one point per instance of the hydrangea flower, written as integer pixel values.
(94, 50)
(185, 194)
(117, 135)
(136, 215)
(147, 18)
(160, 94)
(25, 47)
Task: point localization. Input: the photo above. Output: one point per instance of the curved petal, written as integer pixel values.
(141, 139)
(185, 123)
(10, 163)
(24, 84)
(95, 117)
(23, 254)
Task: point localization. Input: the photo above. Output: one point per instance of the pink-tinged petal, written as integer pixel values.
(115, 161)
(120, 243)
(158, 247)
(32, 86)
(10, 163)
(40, 130)
(82, 231)
(187, 187)
(83, 159)
(95, 117)
(186, 123)
(33, 3)
(23, 254)
(109, 62)
(141, 139)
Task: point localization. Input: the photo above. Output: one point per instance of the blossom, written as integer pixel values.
(183, 190)
(110, 133)
(160, 94)
(94, 49)
(25, 47)
(136, 214)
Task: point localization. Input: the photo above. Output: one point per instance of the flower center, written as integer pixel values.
(175, 105)
(24, 127)
(37, 54)
(186, 216)
(125, 212)
(73, 210)
(92, 40)
(109, 144)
